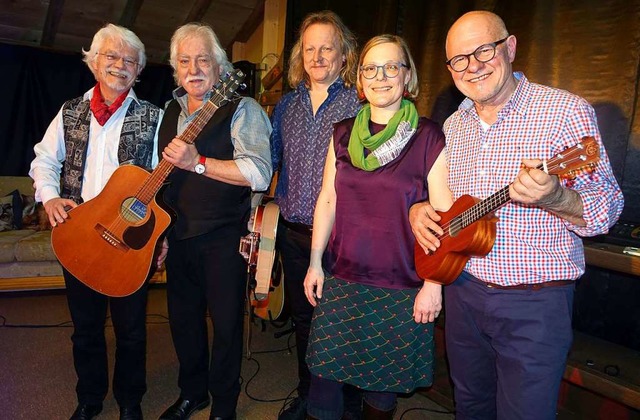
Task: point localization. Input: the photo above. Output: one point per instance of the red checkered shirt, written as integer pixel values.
(532, 245)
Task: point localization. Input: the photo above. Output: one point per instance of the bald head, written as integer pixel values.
(480, 24)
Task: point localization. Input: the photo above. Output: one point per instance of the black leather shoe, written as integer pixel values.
(183, 409)
(297, 410)
(86, 411)
(131, 413)
(223, 418)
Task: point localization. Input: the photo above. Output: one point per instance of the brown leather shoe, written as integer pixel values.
(371, 413)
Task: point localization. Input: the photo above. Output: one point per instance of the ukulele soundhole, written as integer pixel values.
(133, 210)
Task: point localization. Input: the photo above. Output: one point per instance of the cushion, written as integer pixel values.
(35, 247)
(8, 242)
(11, 211)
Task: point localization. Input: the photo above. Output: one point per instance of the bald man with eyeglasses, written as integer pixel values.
(508, 315)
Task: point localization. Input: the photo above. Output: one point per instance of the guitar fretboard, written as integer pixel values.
(151, 186)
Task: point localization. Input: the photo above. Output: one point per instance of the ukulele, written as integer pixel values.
(258, 248)
(108, 242)
(470, 226)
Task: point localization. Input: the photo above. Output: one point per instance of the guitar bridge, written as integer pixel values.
(110, 238)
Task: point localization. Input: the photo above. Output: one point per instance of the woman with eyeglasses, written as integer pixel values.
(373, 319)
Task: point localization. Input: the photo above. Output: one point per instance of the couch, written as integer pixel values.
(27, 261)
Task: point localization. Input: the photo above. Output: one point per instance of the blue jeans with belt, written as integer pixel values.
(507, 348)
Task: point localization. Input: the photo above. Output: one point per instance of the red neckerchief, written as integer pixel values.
(102, 111)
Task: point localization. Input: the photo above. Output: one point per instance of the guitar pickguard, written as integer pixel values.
(136, 237)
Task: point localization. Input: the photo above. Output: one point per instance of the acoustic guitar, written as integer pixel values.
(266, 279)
(470, 226)
(108, 243)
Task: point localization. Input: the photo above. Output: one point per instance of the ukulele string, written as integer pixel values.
(572, 157)
(476, 212)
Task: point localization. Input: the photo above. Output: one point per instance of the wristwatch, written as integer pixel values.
(199, 168)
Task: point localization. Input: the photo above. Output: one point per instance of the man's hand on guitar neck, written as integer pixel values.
(423, 219)
(536, 187)
(57, 208)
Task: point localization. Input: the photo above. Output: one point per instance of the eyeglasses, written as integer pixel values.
(483, 54)
(114, 58)
(389, 70)
(203, 61)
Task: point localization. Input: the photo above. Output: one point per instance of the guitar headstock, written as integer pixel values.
(224, 90)
(579, 158)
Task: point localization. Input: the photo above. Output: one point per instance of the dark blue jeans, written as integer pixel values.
(507, 349)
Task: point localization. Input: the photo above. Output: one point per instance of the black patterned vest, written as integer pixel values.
(135, 147)
(202, 204)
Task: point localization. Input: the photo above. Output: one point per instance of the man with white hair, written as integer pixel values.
(92, 135)
(210, 191)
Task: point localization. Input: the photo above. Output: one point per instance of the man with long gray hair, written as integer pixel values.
(210, 191)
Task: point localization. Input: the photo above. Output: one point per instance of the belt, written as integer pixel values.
(296, 227)
(530, 286)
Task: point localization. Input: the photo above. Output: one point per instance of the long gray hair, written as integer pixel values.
(202, 31)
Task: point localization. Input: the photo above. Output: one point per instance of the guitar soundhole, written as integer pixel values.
(133, 210)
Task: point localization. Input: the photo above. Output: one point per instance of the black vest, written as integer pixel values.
(135, 146)
(202, 204)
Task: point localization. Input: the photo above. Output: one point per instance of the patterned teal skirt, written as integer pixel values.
(366, 336)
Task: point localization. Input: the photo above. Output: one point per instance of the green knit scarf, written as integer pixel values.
(361, 137)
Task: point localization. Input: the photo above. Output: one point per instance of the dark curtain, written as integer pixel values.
(588, 47)
(37, 83)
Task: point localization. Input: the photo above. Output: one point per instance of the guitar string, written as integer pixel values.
(499, 198)
(157, 177)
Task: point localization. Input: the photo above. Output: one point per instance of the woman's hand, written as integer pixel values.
(313, 283)
(428, 303)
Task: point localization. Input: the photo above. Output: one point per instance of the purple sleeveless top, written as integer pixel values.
(371, 241)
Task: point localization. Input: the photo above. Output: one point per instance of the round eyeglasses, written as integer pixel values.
(483, 54)
(114, 58)
(390, 70)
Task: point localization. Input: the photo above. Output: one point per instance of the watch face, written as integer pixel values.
(199, 168)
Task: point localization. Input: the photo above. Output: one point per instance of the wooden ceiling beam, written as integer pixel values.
(130, 13)
(198, 10)
(250, 25)
(51, 22)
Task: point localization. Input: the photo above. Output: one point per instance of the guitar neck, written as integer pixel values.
(161, 172)
(488, 205)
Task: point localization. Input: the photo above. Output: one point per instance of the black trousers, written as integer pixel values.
(128, 314)
(295, 249)
(207, 273)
